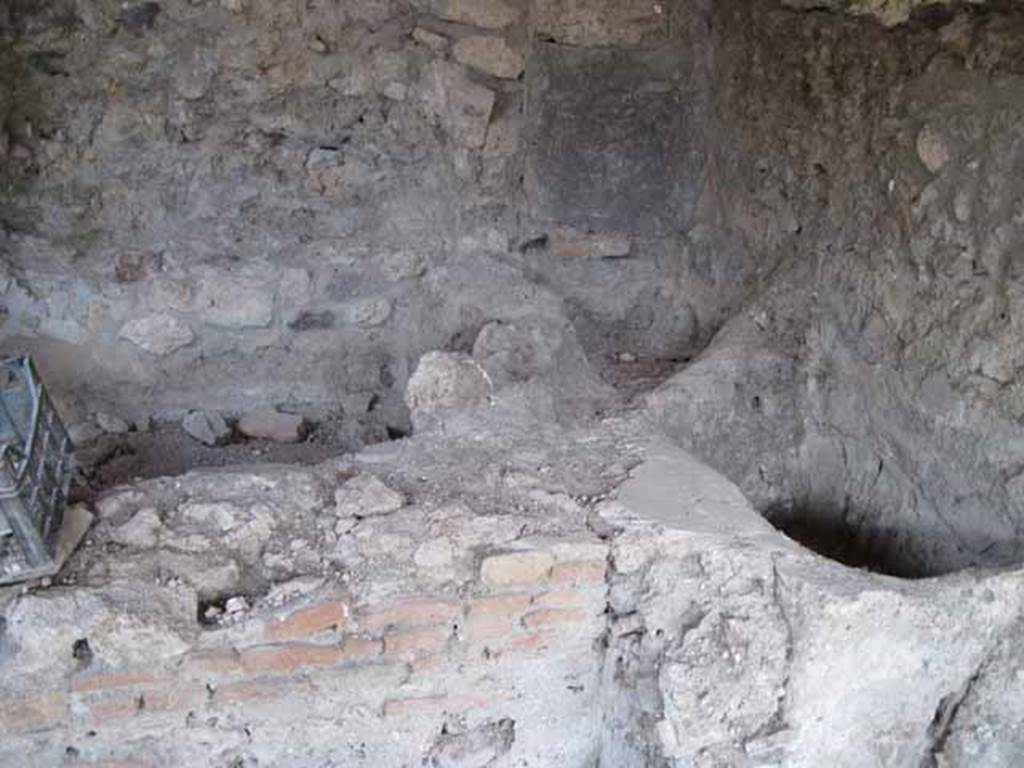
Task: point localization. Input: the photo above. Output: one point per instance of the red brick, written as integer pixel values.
(586, 571)
(411, 613)
(102, 710)
(289, 656)
(418, 642)
(546, 617)
(427, 663)
(560, 598)
(214, 661)
(36, 713)
(174, 697)
(357, 649)
(529, 643)
(501, 605)
(433, 704)
(488, 628)
(491, 617)
(121, 679)
(257, 690)
(309, 621)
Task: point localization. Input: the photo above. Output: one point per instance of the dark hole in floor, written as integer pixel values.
(858, 546)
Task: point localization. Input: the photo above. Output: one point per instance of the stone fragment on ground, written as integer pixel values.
(206, 427)
(270, 424)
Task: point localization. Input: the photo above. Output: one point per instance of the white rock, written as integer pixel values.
(83, 432)
(236, 302)
(268, 424)
(368, 313)
(932, 149)
(142, 531)
(112, 423)
(236, 604)
(401, 265)
(435, 42)
(463, 105)
(222, 516)
(366, 496)
(491, 55)
(208, 428)
(447, 380)
(435, 558)
(158, 334)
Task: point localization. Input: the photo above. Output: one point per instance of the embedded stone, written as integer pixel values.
(463, 105)
(158, 334)
(142, 530)
(367, 496)
(932, 149)
(487, 14)
(236, 303)
(268, 424)
(207, 428)
(447, 380)
(491, 55)
(112, 423)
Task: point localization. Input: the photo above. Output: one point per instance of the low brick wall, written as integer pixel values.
(391, 680)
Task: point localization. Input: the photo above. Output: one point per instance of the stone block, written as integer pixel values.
(158, 334)
(269, 424)
(516, 568)
(600, 22)
(235, 302)
(463, 106)
(288, 657)
(487, 14)
(366, 496)
(413, 612)
(209, 428)
(491, 55)
(446, 380)
(328, 616)
(416, 642)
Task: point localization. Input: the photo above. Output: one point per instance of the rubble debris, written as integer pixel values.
(270, 424)
(208, 428)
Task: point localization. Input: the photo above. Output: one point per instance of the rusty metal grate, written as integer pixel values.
(36, 465)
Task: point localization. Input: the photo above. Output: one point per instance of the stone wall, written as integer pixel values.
(477, 596)
(225, 202)
(871, 387)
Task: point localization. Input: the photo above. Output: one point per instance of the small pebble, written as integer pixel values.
(236, 605)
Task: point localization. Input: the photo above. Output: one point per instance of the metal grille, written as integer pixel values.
(36, 465)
